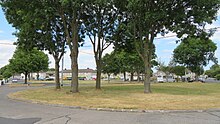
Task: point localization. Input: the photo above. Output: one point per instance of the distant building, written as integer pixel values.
(85, 74)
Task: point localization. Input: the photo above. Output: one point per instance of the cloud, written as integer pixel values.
(1, 31)
(7, 51)
(167, 51)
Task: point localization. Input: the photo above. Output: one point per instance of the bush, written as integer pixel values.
(218, 76)
(1, 77)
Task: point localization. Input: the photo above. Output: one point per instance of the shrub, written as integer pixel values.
(218, 76)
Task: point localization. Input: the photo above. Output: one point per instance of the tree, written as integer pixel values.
(146, 19)
(110, 65)
(195, 53)
(214, 71)
(6, 72)
(72, 15)
(178, 70)
(37, 26)
(28, 61)
(99, 26)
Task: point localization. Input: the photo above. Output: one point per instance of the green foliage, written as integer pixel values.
(1, 77)
(28, 61)
(6, 71)
(214, 71)
(145, 19)
(195, 53)
(178, 70)
(110, 65)
(218, 76)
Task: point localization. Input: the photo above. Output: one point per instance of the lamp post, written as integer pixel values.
(62, 71)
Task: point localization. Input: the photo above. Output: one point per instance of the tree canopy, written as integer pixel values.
(195, 53)
(213, 71)
(145, 19)
(28, 61)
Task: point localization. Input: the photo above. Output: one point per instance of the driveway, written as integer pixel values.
(16, 112)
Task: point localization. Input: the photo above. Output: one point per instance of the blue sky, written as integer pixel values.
(164, 47)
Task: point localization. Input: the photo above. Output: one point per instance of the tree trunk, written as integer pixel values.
(109, 78)
(98, 73)
(147, 56)
(124, 76)
(166, 77)
(57, 75)
(74, 59)
(138, 76)
(132, 76)
(74, 67)
(147, 68)
(38, 76)
(25, 77)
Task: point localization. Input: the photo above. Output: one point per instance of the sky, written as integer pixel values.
(164, 47)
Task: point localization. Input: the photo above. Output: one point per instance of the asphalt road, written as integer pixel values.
(17, 112)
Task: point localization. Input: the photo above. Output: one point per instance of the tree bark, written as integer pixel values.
(57, 75)
(109, 78)
(25, 77)
(98, 73)
(124, 76)
(147, 56)
(132, 76)
(138, 76)
(74, 60)
(147, 88)
(74, 67)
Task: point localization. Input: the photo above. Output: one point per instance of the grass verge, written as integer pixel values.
(165, 96)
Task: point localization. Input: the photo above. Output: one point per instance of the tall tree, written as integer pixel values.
(37, 26)
(146, 19)
(100, 26)
(195, 53)
(28, 61)
(72, 15)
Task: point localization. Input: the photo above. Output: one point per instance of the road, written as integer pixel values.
(17, 112)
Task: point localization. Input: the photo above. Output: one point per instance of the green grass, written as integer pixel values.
(171, 96)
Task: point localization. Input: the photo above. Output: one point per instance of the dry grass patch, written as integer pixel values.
(25, 85)
(167, 96)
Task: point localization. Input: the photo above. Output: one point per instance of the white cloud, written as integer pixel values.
(167, 51)
(6, 51)
(1, 31)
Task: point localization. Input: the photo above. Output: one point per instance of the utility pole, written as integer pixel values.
(62, 71)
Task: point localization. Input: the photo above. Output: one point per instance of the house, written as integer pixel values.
(42, 75)
(163, 77)
(189, 76)
(83, 74)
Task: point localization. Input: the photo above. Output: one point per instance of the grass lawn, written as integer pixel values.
(165, 96)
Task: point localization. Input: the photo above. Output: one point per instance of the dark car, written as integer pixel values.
(82, 78)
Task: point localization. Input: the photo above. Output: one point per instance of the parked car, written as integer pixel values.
(14, 80)
(82, 78)
(50, 78)
(160, 79)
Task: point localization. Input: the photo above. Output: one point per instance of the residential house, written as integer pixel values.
(83, 74)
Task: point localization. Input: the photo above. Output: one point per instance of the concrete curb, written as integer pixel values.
(115, 110)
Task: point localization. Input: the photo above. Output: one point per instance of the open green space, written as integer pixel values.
(165, 96)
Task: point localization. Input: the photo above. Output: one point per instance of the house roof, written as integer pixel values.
(81, 71)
